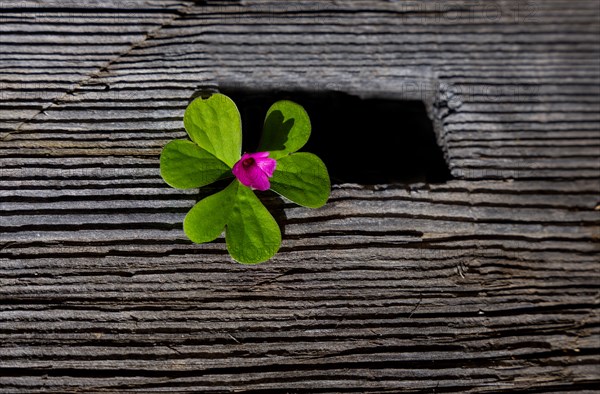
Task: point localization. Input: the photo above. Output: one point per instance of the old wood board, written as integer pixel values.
(487, 282)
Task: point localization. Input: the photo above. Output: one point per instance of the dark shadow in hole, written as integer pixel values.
(365, 141)
(372, 141)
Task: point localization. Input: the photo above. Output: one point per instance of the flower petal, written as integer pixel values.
(267, 166)
(261, 183)
(238, 169)
(254, 170)
(246, 156)
(252, 176)
(257, 178)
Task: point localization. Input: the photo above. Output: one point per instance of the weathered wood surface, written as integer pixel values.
(486, 283)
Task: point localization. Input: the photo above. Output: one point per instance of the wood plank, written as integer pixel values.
(486, 283)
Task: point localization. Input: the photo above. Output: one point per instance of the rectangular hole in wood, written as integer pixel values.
(364, 141)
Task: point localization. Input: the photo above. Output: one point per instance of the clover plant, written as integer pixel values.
(215, 152)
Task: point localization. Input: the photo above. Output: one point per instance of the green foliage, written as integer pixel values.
(253, 235)
(302, 178)
(185, 165)
(214, 126)
(286, 129)
(208, 218)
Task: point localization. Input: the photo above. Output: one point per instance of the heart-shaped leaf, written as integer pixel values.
(286, 129)
(214, 124)
(302, 178)
(252, 235)
(184, 165)
(207, 219)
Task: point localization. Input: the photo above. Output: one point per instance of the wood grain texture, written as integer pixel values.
(486, 283)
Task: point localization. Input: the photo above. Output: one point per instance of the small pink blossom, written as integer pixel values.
(254, 170)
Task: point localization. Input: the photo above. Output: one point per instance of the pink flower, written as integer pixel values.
(254, 170)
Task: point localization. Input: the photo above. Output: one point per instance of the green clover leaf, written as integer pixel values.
(214, 124)
(287, 128)
(251, 233)
(185, 165)
(302, 178)
(208, 218)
